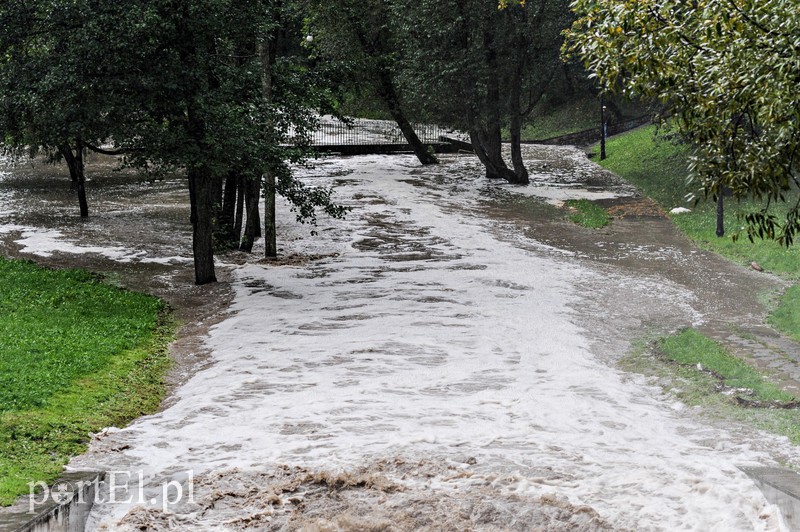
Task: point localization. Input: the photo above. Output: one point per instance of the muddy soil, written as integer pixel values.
(724, 300)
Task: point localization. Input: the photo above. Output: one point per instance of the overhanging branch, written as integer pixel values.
(119, 151)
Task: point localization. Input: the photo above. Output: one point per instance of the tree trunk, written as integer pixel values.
(76, 167)
(252, 227)
(201, 192)
(520, 172)
(237, 223)
(225, 221)
(266, 52)
(483, 157)
(270, 228)
(515, 105)
(721, 212)
(388, 93)
(492, 140)
(490, 134)
(485, 134)
(201, 197)
(489, 153)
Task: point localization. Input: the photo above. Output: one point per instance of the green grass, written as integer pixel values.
(76, 355)
(588, 214)
(656, 165)
(659, 168)
(553, 121)
(689, 347)
(786, 317)
(673, 362)
(579, 113)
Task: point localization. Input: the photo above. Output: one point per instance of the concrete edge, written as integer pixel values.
(780, 487)
(63, 506)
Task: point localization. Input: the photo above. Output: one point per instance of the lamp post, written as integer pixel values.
(602, 127)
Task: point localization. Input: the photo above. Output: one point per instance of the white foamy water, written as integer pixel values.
(429, 338)
(46, 242)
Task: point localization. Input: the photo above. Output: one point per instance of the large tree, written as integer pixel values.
(481, 69)
(728, 71)
(231, 109)
(62, 93)
(361, 35)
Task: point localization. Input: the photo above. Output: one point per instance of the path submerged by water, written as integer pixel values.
(447, 364)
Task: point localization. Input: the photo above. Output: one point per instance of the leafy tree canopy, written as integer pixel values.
(478, 68)
(173, 84)
(728, 71)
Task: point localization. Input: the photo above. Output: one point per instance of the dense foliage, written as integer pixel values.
(362, 38)
(658, 167)
(467, 64)
(481, 69)
(174, 86)
(728, 72)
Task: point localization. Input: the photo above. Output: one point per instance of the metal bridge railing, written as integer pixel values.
(361, 131)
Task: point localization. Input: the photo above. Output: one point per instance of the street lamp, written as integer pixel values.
(603, 132)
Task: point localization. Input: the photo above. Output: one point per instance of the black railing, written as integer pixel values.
(359, 131)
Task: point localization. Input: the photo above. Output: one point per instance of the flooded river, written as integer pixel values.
(443, 359)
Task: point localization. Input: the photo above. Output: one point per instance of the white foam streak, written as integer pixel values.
(46, 242)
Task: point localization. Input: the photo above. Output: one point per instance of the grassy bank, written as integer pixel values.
(76, 355)
(701, 372)
(578, 113)
(549, 121)
(658, 167)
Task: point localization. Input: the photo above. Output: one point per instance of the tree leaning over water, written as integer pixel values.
(361, 35)
(728, 71)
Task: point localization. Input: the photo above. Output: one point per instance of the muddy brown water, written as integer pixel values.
(728, 298)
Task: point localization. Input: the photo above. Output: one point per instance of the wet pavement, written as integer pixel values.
(444, 359)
